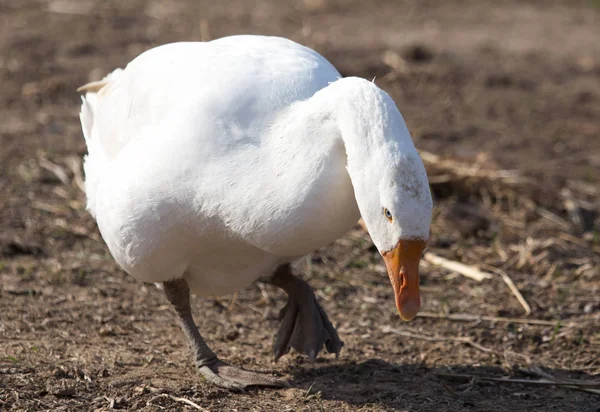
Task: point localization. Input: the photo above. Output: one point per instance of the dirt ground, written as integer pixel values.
(503, 99)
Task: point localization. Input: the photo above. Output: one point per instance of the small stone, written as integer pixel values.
(232, 335)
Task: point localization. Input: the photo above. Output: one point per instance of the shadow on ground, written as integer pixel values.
(418, 388)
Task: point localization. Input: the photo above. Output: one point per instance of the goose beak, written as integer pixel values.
(402, 264)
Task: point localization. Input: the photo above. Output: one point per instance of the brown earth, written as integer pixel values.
(485, 85)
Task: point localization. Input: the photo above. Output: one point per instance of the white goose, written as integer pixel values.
(214, 164)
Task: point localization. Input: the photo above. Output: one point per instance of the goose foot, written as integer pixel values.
(305, 325)
(209, 366)
(229, 377)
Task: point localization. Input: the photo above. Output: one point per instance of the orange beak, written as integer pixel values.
(403, 269)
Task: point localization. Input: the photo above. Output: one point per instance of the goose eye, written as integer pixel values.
(388, 214)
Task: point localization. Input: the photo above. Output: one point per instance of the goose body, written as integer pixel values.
(218, 163)
(191, 170)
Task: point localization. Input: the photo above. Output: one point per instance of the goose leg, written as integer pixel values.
(210, 367)
(305, 325)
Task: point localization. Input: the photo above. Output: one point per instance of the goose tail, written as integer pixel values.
(89, 102)
(95, 161)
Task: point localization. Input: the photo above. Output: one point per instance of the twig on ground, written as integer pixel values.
(308, 392)
(553, 217)
(572, 207)
(569, 383)
(57, 170)
(474, 318)
(76, 230)
(587, 188)
(573, 239)
(397, 63)
(550, 271)
(182, 400)
(233, 302)
(512, 288)
(74, 163)
(468, 271)
(457, 339)
(579, 385)
(542, 374)
(478, 275)
(111, 402)
(56, 210)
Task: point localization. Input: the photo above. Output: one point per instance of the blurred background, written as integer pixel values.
(502, 99)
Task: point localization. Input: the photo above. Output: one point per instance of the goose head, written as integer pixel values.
(391, 188)
(397, 211)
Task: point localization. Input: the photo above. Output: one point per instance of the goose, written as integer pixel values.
(212, 165)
